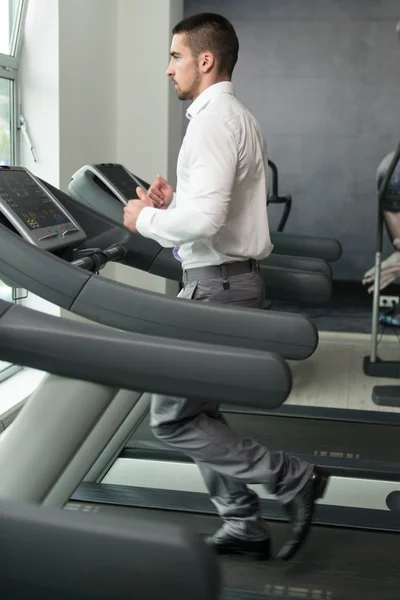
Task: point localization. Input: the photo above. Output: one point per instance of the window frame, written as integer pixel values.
(12, 77)
(11, 61)
(9, 65)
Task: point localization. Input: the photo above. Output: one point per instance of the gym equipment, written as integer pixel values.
(275, 198)
(86, 416)
(111, 553)
(326, 249)
(107, 187)
(47, 553)
(373, 365)
(329, 441)
(182, 368)
(80, 291)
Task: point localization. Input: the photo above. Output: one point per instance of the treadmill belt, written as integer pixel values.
(243, 595)
(321, 438)
(335, 564)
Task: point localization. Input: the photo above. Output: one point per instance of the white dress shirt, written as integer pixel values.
(219, 213)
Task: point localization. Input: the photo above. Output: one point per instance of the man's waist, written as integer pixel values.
(222, 271)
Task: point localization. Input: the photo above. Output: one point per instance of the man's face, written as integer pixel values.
(183, 69)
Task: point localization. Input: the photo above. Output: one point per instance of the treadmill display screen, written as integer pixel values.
(120, 178)
(28, 201)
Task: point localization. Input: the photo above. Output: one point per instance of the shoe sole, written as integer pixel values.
(251, 555)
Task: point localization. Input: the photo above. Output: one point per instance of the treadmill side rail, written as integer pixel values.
(290, 335)
(142, 363)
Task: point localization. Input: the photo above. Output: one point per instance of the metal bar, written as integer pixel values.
(52, 427)
(119, 440)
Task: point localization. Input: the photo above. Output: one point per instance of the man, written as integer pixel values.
(217, 224)
(390, 268)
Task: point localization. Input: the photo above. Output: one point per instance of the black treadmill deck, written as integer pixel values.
(330, 442)
(335, 564)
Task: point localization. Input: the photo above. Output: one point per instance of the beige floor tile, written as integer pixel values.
(334, 376)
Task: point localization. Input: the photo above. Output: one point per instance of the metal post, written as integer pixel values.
(39, 445)
(120, 439)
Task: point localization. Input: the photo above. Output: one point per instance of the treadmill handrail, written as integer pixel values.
(126, 307)
(292, 244)
(142, 363)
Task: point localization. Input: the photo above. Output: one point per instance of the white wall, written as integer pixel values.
(175, 106)
(148, 112)
(88, 84)
(94, 89)
(39, 80)
(146, 99)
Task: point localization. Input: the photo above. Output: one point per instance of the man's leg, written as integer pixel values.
(211, 443)
(237, 505)
(227, 461)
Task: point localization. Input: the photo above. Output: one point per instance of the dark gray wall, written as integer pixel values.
(323, 79)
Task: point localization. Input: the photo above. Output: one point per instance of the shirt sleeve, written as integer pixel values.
(212, 161)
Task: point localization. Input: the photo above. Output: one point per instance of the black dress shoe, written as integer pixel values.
(225, 543)
(301, 511)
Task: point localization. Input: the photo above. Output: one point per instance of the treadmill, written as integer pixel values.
(125, 558)
(327, 249)
(340, 439)
(336, 563)
(107, 187)
(61, 267)
(84, 413)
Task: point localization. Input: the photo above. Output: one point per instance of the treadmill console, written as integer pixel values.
(34, 212)
(118, 180)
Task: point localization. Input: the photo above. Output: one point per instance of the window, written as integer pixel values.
(12, 17)
(6, 149)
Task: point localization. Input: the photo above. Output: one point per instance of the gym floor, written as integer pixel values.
(333, 376)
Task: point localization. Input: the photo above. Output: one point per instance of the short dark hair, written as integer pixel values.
(209, 31)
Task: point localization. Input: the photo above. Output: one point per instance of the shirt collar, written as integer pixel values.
(223, 87)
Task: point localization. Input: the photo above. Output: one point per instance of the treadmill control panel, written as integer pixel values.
(118, 180)
(34, 211)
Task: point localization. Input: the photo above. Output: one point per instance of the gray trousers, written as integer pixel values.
(227, 461)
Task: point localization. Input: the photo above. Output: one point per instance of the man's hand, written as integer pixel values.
(390, 270)
(133, 209)
(161, 193)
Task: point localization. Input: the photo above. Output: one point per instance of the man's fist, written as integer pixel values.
(133, 209)
(161, 193)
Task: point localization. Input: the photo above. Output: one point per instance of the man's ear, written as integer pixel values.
(207, 62)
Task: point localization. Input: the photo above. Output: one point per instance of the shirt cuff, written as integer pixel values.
(143, 222)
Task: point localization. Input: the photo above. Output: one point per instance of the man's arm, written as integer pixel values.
(212, 158)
